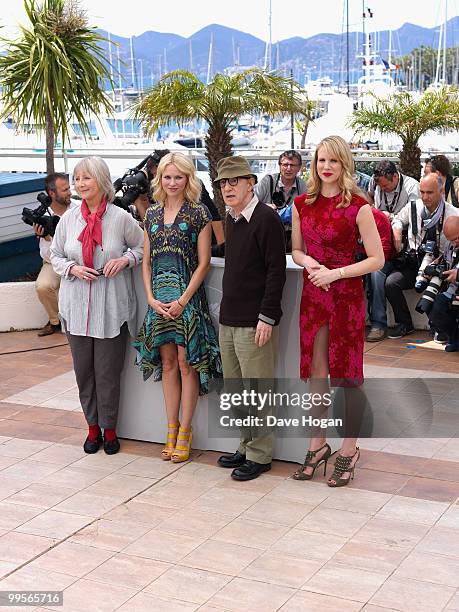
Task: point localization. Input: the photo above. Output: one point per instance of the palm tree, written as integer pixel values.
(409, 118)
(54, 70)
(181, 97)
(307, 115)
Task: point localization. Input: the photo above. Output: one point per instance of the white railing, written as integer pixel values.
(31, 160)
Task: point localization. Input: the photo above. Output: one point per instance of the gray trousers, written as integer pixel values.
(98, 364)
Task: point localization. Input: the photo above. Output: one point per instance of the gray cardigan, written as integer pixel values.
(98, 308)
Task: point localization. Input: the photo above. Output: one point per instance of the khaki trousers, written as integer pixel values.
(242, 359)
(47, 288)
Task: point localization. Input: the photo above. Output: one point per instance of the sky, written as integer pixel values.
(289, 17)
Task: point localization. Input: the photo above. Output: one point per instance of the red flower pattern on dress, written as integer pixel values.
(330, 235)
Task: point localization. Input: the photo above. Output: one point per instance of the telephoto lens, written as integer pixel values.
(425, 304)
(421, 281)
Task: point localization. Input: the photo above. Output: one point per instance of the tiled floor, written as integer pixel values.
(132, 533)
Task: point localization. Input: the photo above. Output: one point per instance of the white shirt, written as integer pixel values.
(45, 245)
(247, 211)
(399, 197)
(403, 220)
(98, 308)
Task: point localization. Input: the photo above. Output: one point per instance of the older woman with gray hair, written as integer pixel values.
(94, 246)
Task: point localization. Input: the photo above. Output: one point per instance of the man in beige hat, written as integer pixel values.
(250, 309)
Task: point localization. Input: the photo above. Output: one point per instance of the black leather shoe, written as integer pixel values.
(250, 470)
(231, 461)
(92, 446)
(111, 447)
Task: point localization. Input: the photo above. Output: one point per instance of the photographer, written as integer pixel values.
(143, 201)
(280, 189)
(47, 284)
(441, 165)
(424, 222)
(444, 317)
(390, 189)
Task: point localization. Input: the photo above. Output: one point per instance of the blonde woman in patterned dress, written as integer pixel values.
(177, 342)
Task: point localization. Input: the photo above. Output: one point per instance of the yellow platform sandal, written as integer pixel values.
(172, 432)
(183, 446)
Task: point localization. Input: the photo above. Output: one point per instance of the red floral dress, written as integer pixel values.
(330, 235)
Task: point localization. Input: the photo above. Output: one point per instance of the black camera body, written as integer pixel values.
(278, 199)
(429, 250)
(406, 259)
(137, 180)
(435, 270)
(133, 184)
(41, 215)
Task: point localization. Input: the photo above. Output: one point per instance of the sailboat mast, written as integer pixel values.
(112, 77)
(133, 70)
(389, 59)
(121, 92)
(437, 71)
(444, 43)
(209, 61)
(269, 67)
(347, 48)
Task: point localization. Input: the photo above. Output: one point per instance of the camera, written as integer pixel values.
(452, 292)
(137, 180)
(429, 250)
(134, 183)
(41, 215)
(278, 199)
(435, 272)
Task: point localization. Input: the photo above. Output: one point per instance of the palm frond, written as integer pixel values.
(408, 117)
(55, 69)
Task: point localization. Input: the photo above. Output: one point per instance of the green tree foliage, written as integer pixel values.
(409, 118)
(181, 97)
(420, 66)
(53, 71)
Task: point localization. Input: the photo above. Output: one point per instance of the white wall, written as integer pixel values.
(20, 307)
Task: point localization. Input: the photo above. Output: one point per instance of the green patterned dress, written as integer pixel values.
(174, 258)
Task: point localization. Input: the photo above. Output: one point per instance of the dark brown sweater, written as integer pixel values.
(255, 269)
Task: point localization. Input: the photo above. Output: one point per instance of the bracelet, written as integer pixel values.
(180, 304)
(341, 273)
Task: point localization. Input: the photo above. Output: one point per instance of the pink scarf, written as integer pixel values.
(92, 233)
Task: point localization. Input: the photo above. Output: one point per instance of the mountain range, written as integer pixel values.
(320, 55)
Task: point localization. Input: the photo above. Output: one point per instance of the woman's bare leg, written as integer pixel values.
(172, 387)
(318, 383)
(190, 388)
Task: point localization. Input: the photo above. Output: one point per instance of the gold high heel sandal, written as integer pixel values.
(183, 446)
(172, 432)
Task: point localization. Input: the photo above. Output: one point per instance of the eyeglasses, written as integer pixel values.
(233, 181)
(289, 165)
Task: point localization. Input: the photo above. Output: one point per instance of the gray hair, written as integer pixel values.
(97, 168)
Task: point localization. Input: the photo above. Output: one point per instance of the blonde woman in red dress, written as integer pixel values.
(327, 222)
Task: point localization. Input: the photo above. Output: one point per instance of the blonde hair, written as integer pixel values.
(338, 147)
(98, 170)
(185, 165)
